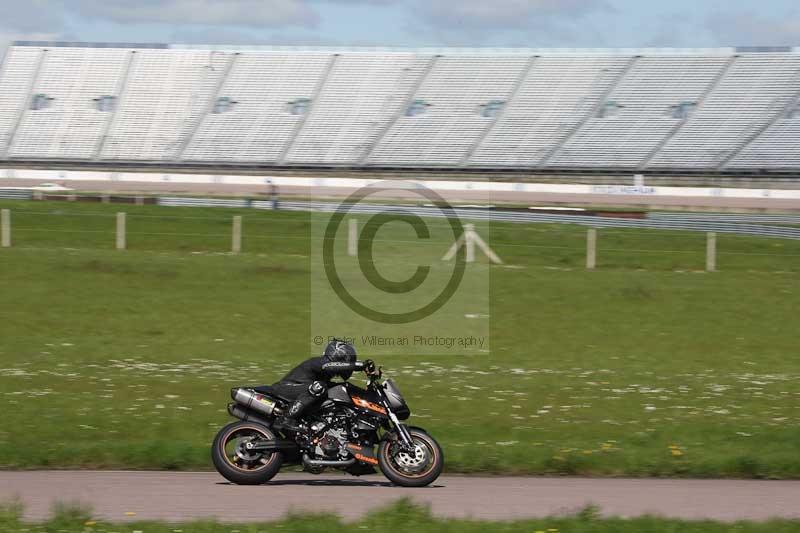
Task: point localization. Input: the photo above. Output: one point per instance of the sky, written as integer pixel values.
(409, 23)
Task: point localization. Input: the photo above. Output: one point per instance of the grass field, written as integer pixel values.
(646, 366)
(398, 518)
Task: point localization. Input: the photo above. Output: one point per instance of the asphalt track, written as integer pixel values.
(176, 496)
(531, 198)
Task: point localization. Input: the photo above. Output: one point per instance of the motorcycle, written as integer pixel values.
(342, 433)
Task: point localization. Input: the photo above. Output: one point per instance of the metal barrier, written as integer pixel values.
(668, 223)
(718, 223)
(16, 194)
(177, 201)
(726, 217)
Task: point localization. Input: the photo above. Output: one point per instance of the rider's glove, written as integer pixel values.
(369, 366)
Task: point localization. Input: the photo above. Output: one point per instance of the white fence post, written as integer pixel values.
(236, 239)
(5, 228)
(591, 249)
(352, 238)
(121, 231)
(469, 242)
(711, 252)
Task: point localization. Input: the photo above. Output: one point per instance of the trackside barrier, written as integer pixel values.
(541, 218)
(15, 194)
(356, 183)
(690, 222)
(721, 223)
(177, 201)
(726, 217)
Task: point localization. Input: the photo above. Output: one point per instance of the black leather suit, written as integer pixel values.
(308, 382)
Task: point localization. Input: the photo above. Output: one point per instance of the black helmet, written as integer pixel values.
(340, 352)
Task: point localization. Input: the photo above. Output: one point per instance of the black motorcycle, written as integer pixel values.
(342, 433)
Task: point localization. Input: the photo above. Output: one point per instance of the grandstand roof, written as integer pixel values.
(422, 50)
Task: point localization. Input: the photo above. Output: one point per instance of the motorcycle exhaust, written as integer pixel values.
(237, 411)
(307, 461)
(253, 400)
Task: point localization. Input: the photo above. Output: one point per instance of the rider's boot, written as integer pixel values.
(286, 423)
(289, 422)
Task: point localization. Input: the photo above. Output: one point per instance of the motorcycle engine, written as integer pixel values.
(332, 443)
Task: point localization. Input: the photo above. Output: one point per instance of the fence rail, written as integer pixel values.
(16, 194)
(177, 201)
(671, 223)
(726, 217)
(739, 224)
(743, 224)
(592, 223)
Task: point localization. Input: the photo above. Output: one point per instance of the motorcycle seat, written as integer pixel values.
(266, 389)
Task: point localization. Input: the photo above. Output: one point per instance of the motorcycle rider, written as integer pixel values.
(309, 381)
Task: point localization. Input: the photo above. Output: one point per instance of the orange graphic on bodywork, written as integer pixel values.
(355, 448)
(370, 460)
(368, 405)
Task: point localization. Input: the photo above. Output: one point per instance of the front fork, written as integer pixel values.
(402, 431)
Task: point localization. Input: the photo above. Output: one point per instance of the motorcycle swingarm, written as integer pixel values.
(272, 446)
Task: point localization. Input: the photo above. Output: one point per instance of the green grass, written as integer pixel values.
(400, 517)
(644, 367)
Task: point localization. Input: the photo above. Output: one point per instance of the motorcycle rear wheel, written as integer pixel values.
(239, 465)
(417, 469)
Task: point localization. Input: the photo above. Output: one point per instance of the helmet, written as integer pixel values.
(340, 352)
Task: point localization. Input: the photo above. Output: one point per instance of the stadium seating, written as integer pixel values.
(640, 111)
(259, 124)
(71, 124)
(755, 91)
(557, 94)
(634, 110)
(360, 95)
(453, 91)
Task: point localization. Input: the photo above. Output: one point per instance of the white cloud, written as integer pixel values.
(753, 29)
(252, 13)
(30, 16)
(495, 14)
(545, 21)
(53, 15)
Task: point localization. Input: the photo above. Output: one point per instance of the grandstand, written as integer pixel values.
(721, 110)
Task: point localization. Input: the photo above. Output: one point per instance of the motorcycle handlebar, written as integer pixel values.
(375, 374)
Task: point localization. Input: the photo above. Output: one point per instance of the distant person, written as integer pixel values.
(273, 194)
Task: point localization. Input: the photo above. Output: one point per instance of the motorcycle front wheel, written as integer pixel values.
(239, 465)
(416, 468)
